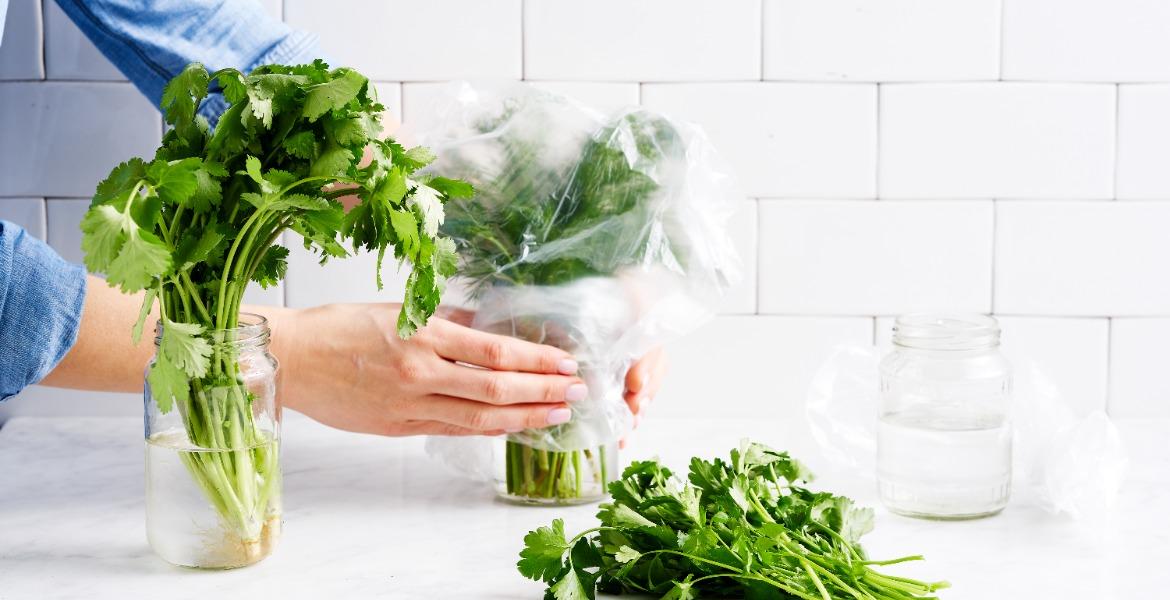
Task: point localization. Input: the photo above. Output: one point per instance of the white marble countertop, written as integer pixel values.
(367, 517)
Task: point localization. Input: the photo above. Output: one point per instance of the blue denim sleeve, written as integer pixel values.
(41, 296)
(150, 42)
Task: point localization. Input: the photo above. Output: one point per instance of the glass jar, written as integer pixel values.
(944, 441)
(213, 477)
(530, 475)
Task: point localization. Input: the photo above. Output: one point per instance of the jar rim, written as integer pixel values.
(252, 329)
(943, 331)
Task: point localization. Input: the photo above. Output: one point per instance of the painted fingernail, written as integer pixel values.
(576, 392)
(558, 416)
(567, 366)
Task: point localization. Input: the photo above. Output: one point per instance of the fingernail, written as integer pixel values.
(567, 366)
(576, 392)
(558, 416)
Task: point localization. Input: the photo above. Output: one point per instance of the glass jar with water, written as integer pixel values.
(213, 477)
(944, 442)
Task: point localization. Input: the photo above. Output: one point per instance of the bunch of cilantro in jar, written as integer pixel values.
(602, 235)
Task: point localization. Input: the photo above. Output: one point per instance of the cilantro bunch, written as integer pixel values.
(200, 221)
(738, 529)
(197, 224)
(548, 224)
(552, 209)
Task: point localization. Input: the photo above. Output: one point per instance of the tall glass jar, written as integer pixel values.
(944, 443)
(213, 477)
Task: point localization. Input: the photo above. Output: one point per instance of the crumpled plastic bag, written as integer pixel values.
(604, 235)
(1063, 462)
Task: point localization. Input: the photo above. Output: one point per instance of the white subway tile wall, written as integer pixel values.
(881, 40)
(647, 40)
(997, 140)
(1082, 258)
(784, 139)
(896, 155)
(1086, 40)
(1143, 142)
(22, 49)
(865, 258)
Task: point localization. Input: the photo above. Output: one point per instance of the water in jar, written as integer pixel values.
(182, 524)
(944, 464)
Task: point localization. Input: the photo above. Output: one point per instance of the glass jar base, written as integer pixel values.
(528, 475)
(955, 517)
(539, 501)
(225, 554)
(957, 503)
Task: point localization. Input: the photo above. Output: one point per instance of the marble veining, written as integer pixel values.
(370, 517)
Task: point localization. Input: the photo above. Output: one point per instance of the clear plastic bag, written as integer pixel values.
(1063, 462)
(602, 235)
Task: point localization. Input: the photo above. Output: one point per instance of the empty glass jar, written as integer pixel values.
(944, 443)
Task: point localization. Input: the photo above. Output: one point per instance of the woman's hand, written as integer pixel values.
(344, 365)
(643, 381)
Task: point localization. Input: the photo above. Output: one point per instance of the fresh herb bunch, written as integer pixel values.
(194, 226)
(538, 224)
(542, 224)
(738, 529)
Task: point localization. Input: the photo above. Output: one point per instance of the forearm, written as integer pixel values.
(105, 357)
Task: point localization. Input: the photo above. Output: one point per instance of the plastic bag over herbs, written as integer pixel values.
(604, 235)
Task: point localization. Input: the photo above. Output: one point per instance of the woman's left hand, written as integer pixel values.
(643, 381)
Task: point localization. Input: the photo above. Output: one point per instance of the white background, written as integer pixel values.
(1005, 156)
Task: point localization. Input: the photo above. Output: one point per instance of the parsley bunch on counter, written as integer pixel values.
(197, 224)
(738, 529)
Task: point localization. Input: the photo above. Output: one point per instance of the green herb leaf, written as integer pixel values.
(627, 554)
(541, 558)
(141, 260)
(333, 95)
(272, 267)
(184, 346)
(168, 384)
(570, 587)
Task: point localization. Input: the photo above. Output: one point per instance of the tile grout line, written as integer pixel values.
(1108, 362)
(1002, 21)
(877, 142)
(44, 41)
(994, 247)
(45, 220)
(1116, 135)
(759, 246)
(763, 37)
(523, 43)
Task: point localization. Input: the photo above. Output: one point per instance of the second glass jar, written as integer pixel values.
(944, 442)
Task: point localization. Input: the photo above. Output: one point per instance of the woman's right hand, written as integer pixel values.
(344, 365)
